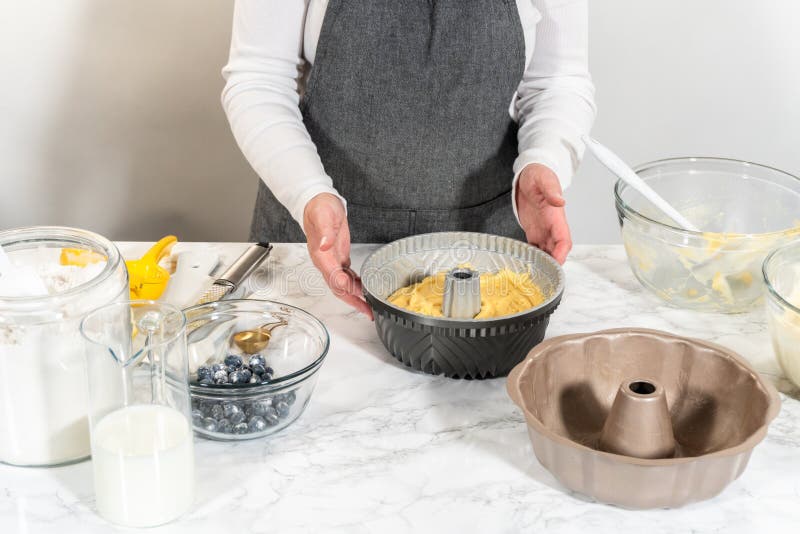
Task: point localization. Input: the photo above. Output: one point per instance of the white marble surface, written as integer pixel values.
(382, 449)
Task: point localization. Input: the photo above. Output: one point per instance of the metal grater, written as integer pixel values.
(216, 292)
(233, 277)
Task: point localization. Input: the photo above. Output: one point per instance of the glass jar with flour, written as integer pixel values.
(50, 277)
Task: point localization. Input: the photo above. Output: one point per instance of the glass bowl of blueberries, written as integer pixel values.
(253, 366)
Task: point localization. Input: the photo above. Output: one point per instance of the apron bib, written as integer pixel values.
(407, 103)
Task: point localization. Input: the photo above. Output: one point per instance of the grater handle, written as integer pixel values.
(244, 265)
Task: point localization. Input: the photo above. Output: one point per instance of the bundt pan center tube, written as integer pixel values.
(457, 345)
(462, 294)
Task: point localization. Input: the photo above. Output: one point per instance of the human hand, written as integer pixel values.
(328, 241)
(540, 207)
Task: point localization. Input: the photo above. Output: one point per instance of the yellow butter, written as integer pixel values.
(80, 257)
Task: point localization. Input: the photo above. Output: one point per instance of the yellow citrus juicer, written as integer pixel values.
(148, 279)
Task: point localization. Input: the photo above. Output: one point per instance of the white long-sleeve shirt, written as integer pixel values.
(273, 39)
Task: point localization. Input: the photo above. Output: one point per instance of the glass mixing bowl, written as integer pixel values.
(782, 277)
(744, 209)
(256, 407)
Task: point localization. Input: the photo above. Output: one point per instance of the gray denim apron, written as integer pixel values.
(407, 103)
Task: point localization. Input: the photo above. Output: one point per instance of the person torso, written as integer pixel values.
(407, 103)
(529, 16)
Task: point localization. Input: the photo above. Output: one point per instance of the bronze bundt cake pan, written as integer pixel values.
(719, 408)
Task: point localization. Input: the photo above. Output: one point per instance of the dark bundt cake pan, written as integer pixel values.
(458, 348)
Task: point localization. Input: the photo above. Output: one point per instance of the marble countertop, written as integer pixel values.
(382, 449)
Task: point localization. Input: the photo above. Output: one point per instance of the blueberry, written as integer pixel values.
(209, 424)
(238, 418)
(231, 408)
(204, 372)
(216, 411)
(233, 360)
(224, 426)
(282, 408)
(256, 359)
(237, 377)
(197, 417)
(269, 370)
(246, 375)
(271, 416)
(218, 367)
(260, 407)
(256, 424)
(240, 428)
(290, 397)
(220, 377)
(207, 381)
(266, 377)
(258, 369)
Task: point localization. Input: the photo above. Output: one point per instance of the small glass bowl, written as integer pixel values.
(782, 277)
(295, 352)
(746, 210)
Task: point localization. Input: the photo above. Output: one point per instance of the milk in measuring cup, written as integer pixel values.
(143, 465)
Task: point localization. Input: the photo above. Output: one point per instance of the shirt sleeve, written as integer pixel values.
(261, 99)
(555, 100)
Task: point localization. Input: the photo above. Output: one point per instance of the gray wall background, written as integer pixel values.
(110, 114)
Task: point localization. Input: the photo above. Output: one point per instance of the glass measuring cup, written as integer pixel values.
(139, 412)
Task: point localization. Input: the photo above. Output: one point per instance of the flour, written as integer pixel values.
(43, 384)
(57, 278)
(61, 278)
(43, 399)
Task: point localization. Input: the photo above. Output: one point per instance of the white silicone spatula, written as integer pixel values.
(619, 168)
(18, 281)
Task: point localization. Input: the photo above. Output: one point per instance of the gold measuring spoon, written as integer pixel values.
(255, 340)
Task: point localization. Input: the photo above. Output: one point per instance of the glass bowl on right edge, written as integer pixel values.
(782, 277)
(744, 209)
